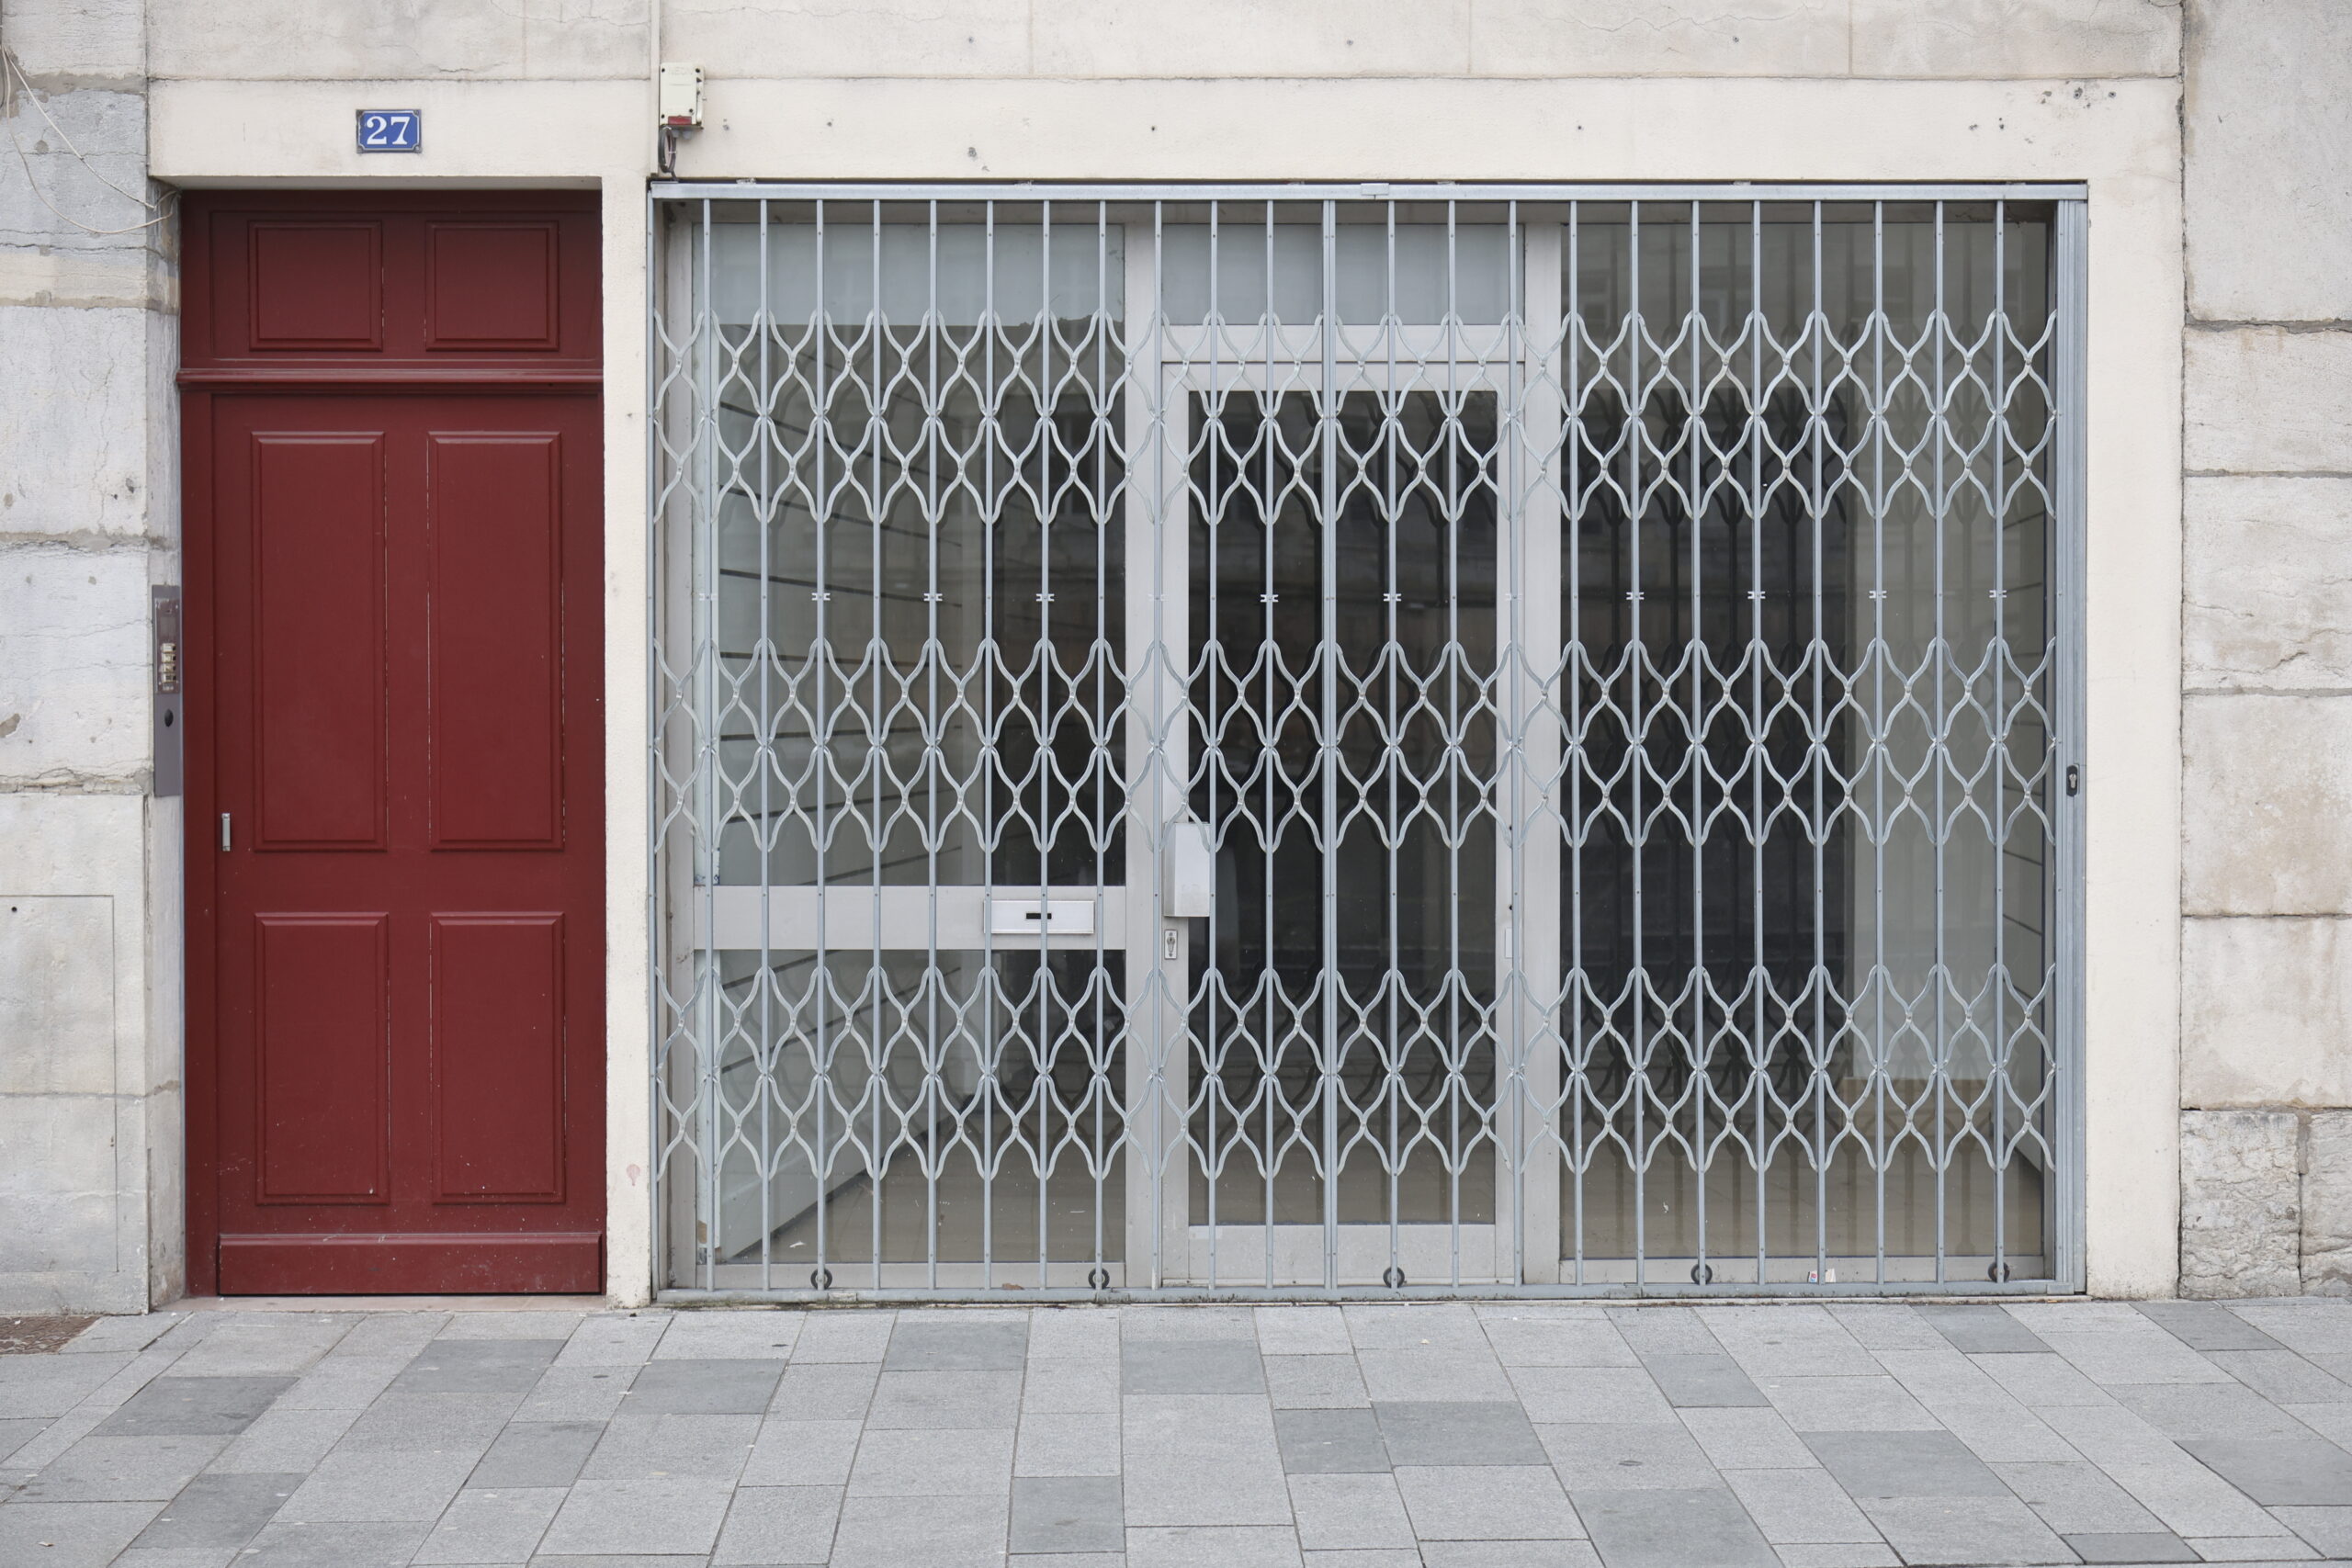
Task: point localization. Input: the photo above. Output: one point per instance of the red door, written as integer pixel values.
(395, 822)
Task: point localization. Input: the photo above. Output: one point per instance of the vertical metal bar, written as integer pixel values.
(2069, 376)
(1327, 405)
(1941, 1093)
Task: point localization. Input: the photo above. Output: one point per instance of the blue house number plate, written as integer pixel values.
(392, 130)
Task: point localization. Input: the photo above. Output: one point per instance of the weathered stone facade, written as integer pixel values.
(91, 1163)
(2265, 682)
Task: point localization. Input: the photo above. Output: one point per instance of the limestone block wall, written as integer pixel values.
(2266, 661)
(90, 1153)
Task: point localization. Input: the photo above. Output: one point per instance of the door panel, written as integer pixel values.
(410, 892)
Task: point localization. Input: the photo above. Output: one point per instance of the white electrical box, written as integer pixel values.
(1188, 890)
(680, 103)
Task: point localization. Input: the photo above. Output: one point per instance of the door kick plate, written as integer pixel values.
(1041, 917)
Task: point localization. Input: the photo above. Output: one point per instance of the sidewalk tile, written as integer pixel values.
(1052, 1443)
(491, 1525)
(676, 1514)
(956, 1343)
(1904, 1464)
(122, 1470)
(2078, 1498)
(1673, 1530)
(1965, 1529)
(1458, 1432)
(802, 1453)
(289, 1543)
(2133, 1547)
(1190, 1366)
(1698, 1383)
(645, 1448)
(379, 1488)
(193, 1407)
(921, 1532)
(708, 1387)
(2328, 1528)
(1747, 1439)
(911, 1463)
(477, 1366)
(1067, 1513)
(1487, 1502)
(1212, 1546)
(218, 1511)
(1636, 1458)
(1330, 1442)
(1358, 1512)
(538, 1453)
(2281, 1471)
(753, 1335)
(1316, 1382)
(1981, 1328)
(1801, 1508)
(775, 1525)
(70, 1535)
(1507, 1555)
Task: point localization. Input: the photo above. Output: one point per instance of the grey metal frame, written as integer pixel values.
(833, 1033)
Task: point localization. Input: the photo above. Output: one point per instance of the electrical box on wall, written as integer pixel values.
(168, 658)
(680, 105)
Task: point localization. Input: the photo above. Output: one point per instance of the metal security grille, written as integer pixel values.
(1368, 741)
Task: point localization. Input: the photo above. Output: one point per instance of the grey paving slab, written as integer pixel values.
(538, 1453)
(2108, 1356)
(1827, 1554)
(753, 1334)
(678, 1514)
(613, 1340)
(439, 1422)
(491, 1525)
(2041, 1382)
(342, 1382)
(1068, 1332)
(711, 1387)
(216, 1512)
(847, 1337)
(1798, 1341)
(1540, 1336)
(1697, 1382)
(178, 1557)
(513, 1322)
(1487, 1502)
(2132, 1546)
(577, 1394)
(1189, 1321)
(1067, 1513)
(49, 1386)
(1673, 1529)
(2192, 1501)
(945, 1399)
(1068, 1443)
(636, 1447)
(1640, 1457)
(193, 1407)
(122, 1470)
(1315, 1382)
(1739, 1438)
(2001, 1430)
(1670, 1330)
(2271, 1553)
(773, 1525)
(2326, 1528)
(1190, 1366)
(1088, 1560)
(16, 1434)
(1398, 1374)
(1867, 1403)
(2277, 1473)
(952, 1343)
(803, 1453)
(402, 1333)
(1981, 1328)
(2205, 1326)
(918, 1463)
(70, 1535)
(1330, 1442)
(1213, 1546)
(379, 1488)
(1350, 1513)
(285, 1440)
(825, 1391)
(1904, 1464)
(1201, 1459)
(1508, 1554)
(289, 1543)
(1079, 1385)
(2283, 1376)
(1965, 1529)
(1801, 1508)
(2078, 1498)
(1302, 1331)
(126, 1334)
(477, 1366)
(1428, 1432)
(2184, 1410)
(1620, 1395)
(921, 1532)
(1441, 1329)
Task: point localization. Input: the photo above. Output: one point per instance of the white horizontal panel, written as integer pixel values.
(788, 920)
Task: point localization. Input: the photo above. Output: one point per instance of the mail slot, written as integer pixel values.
(1041, 917)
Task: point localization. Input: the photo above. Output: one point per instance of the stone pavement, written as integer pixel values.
(1439, 1436)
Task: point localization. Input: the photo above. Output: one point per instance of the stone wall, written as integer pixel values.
(90, 1151)
(2267, 651)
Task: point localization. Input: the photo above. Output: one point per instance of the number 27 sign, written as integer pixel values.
(392, 130)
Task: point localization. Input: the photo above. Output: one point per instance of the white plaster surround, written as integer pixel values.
(2120, 137)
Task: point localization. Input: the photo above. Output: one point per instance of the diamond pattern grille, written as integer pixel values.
(1364, 744)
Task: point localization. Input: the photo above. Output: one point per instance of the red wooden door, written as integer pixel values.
(400, 729)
